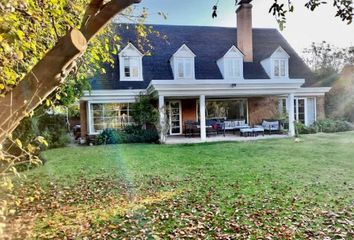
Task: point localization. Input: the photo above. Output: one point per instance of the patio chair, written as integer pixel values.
(190, 128)
(271, 126)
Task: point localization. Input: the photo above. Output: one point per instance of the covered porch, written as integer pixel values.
(180, 102)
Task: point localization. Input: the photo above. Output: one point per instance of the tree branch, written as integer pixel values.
(103, 15)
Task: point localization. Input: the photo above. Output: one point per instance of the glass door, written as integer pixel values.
(300, 110)
(175, 117)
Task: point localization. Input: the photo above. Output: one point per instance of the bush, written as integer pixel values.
(109, 136)
(130, 134)
(326, 125)
(329, 126)
(50, 126)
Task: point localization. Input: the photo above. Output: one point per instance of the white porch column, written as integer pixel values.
(162, 118)
(202, 117)
(291, 114)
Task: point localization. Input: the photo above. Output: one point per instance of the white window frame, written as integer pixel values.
(280, 61)
(184, 61)
(183, 54)
(130, 52)
(237, 64)
(226, 99)
(180, 117)
(90, 123)
(236, 56)
(296, 110)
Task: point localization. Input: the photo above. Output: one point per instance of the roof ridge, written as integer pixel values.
(201, 26)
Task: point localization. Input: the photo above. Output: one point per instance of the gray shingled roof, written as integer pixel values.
(209, 44)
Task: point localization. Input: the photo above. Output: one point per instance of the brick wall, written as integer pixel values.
(83, 118)
(320, 107)
(260, 108)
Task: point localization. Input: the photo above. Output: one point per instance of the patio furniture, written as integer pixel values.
(190, 128)
(246, 132)
(255, 131)
(233, 125)
(271, 125)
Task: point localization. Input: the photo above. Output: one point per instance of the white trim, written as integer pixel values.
(178, 56)
(180, 117)
(184, 46)
(296, 105)
(312, 91)
(283, 53)
(232, 53)
(202, 121)
(90, 116)
(112, 95)
(257, 87)
(132, 52)
(129, 45)
(268, 63)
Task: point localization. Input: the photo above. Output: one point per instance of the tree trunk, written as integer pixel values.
(43, 79)
(49, 72)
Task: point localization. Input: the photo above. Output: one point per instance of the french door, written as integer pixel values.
(300, 110)
(174, 114)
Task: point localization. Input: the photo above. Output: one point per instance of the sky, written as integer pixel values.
(302, 28)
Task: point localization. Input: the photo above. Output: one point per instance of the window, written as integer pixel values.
(282, 106)
(131, 67)
(109, 115)
(232, 68)
(233, 109)
(184, 67)
(304, 109)
(131, 64)
(311, 110)
(279, 66)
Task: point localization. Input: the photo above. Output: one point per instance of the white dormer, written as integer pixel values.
(182, 63)
(277, 65)
(231, 64)
(131, 64)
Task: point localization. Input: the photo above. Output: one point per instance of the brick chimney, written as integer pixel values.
(244, 29)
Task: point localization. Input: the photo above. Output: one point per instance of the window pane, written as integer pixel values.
(180, 69)
(135, 72)
(110, 115)
(188, 68)
(229, 109)
(126, 67)
(276, 68)
(301, 110)
(282, 68)
(236, 68)
(311, 111)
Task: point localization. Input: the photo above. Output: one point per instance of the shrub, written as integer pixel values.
(109, 136)
(130, 134)
(325, 125)
(52, 127)
(330, 125)
(144, 111)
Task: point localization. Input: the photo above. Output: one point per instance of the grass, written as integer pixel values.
(271, 188)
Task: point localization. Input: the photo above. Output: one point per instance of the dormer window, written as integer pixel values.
(279, 67)
(182, 63)
(184, 67)
(233, 68)
(231, 64)
(130, 64)
(131, 67)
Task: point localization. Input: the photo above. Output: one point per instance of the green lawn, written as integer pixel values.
(272, 188)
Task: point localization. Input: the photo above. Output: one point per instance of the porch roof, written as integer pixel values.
(256, 87)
